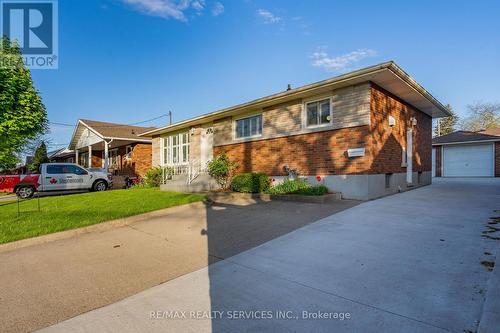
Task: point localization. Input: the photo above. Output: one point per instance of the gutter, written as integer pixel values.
(465, 142)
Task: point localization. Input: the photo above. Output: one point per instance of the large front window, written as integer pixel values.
(318, 113)
(176, 149)
(249, 127)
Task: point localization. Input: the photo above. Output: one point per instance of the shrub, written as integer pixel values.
(221, 169)
(298, 187)
(153, 177)
(252, 182)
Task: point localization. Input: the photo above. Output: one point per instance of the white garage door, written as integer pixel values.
(468, 160)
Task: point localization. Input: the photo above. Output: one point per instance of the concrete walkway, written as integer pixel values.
(406, 263)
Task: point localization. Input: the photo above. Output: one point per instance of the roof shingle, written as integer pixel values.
(111, 130)
(464, 136)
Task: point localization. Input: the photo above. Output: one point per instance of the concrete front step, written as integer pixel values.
(202, 183)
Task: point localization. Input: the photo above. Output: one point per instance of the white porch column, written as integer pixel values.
(106, 155)
(76, 157)
(90, 156)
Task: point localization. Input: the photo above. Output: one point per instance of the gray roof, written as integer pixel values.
(464, 136)
(112, 130)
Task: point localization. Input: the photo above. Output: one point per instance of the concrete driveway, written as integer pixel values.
(43, 284)
(406, 263)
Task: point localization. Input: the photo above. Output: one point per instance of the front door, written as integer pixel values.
(409, 156)
(206, 146)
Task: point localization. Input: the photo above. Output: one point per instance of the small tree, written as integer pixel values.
(39, 158)
(482, 116)
(446, 125)
(153, 177)
(222, 169)
(22, 113)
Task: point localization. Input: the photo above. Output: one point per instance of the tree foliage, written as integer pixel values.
(39, 158)
(22, 113)
(447, 125)
(482, 116)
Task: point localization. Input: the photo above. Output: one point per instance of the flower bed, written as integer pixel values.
(298, 186)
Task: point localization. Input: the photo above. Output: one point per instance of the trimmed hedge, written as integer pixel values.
(251, 182)
(298, 187)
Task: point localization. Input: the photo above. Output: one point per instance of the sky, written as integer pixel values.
(127, 61)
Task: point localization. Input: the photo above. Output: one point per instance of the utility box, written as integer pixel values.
(356, 152)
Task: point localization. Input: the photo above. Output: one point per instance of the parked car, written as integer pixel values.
(56, 177)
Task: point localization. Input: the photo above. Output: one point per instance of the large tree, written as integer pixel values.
(22, 113)
(482, 116)
(39, 158)
(446, 125)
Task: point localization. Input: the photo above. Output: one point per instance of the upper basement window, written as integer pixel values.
(249, 127)
(318, 113)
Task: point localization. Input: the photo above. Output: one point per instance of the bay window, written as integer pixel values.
(176, 149)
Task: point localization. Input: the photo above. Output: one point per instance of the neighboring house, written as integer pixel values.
(467, 154)
(366, 134)
(63, 155)
(116, 147)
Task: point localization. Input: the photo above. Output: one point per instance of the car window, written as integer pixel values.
(73, 169)
(55, 169)
(80, 171)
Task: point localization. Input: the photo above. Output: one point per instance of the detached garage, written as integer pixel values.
(466, 154)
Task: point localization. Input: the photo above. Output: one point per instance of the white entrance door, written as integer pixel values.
(473, 160)
(409, 156)
(206, 146)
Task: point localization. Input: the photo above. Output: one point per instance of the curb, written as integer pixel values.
(98, 227)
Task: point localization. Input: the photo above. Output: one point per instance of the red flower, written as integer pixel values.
(318, 178)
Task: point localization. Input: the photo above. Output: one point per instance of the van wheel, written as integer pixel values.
(99, 186)
(25, 192)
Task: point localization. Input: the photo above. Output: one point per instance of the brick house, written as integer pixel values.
(467, 154)
(116, 147)
(366, 134)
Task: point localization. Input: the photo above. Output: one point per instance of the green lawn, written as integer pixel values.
(78, 210)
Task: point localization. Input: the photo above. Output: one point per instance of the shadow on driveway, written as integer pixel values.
(48, 283)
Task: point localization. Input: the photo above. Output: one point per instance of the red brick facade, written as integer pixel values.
(325, 153)
(497, 159)
(388, 142)
(141, 158)
(320, 153)
(439, 162)
(138, 163)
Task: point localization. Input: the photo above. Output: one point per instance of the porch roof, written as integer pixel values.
(98, 131)
(387, 75)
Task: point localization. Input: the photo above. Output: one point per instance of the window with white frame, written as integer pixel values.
(185, 147)
(176, 149)
(318, 113)
(249, 127)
